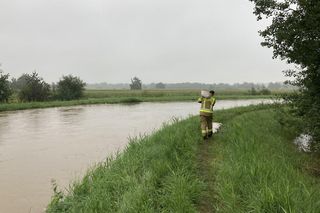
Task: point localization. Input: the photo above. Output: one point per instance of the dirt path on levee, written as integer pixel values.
(205, 162)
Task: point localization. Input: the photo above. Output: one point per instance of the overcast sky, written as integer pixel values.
(207, 41)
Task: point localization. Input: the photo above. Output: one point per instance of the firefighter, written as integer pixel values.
(206, 113)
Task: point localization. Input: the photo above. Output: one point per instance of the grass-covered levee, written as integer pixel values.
(250, 165)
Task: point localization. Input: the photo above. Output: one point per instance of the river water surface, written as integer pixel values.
(39, 145)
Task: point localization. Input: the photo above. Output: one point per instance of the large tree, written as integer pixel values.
(294, 35)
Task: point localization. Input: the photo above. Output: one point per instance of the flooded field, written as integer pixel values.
(37, 146)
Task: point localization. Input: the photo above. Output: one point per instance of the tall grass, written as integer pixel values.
(154, 174)
(253, 167)
(257, 169)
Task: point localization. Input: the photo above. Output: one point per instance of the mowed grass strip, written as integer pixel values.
(256, 168)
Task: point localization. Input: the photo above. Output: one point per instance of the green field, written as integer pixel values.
(165, 93)
(128, 96)
(155, 93)
(250, 165)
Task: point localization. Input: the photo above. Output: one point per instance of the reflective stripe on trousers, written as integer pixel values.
(206, 124)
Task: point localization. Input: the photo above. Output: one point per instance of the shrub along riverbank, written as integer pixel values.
(116, 100)
(250, 165)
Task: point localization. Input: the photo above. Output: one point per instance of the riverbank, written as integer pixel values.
(250, 164)
(253, 166)
(117, 100)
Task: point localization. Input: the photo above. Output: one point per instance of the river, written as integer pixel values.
(37, 146)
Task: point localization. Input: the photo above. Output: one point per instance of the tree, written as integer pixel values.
(136, 84)
(5, 90)
(160, 85)
(34, 89)
(18, 84)
(70, 87)
(294, 35)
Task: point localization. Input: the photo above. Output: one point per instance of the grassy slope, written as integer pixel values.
(126, 96)
(251, 166)
(257, 169)
(156, 173)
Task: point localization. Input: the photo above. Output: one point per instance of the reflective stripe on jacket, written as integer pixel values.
(207, 105)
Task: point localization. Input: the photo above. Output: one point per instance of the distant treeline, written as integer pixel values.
(278, 86)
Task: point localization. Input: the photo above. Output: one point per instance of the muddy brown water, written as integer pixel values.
(39, 145)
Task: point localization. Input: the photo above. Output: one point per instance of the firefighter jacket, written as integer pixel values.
(206, 105)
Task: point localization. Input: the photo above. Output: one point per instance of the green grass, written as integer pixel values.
(256, 168)
(187, 94)
(154, 174)
(252, 167)
(126, 96)
(91, 93)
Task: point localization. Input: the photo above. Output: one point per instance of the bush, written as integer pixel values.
(34, 89)
(5, 90)
(253, 91)
(306, 105)
(265, 91)
(262, 91)
(70, 87)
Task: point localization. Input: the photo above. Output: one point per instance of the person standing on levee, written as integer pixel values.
(206, 111)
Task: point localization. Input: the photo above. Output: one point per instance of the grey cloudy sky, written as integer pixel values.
(111, 41)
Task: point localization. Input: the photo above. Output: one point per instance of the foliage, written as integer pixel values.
(34, 89)
(5, 90)
(160, 85)
(253, 91)
(265, 91)
(294, 36)
(18, 84)
(70, 87)
(54, 91)
(262, 91)
(136, 84)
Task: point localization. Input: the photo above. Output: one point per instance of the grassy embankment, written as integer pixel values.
(249, 166)
(128, 96)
